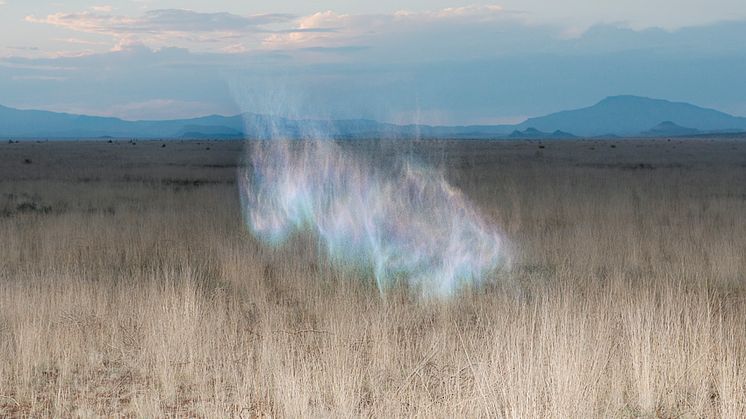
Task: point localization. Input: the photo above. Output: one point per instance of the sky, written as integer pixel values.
(406, 61)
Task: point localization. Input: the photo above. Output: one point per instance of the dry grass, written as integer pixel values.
(129, 287)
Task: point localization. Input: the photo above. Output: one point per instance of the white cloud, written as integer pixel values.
(166, 27)
(237, 34)
(158, 21)
(342, 29)
(102, 9)
(78, 41)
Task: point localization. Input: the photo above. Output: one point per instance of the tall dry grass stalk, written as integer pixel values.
(128, 286)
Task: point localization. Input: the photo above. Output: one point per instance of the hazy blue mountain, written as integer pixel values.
(632, 115)
(533, 133)
(670, 129)
(36, 124)
(45, 124)
(613, 116)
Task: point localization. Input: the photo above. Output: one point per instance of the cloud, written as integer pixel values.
(350, 28)
(102, 9)
(454, 65)
(158, 21)
(444, 34)
(166, 27)
(276, 31)
(78, 41)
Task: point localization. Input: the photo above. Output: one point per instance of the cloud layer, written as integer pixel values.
(234, 33)
(168, 27)
(158, 21)
(474, 64)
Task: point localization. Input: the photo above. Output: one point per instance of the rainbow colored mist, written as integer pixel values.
(402, 221)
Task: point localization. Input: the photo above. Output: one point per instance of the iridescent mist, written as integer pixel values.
(402, 221)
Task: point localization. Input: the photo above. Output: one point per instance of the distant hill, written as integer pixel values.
(44, 124)
(533, 133)
(40, 124)
(617, 116)
(633, 115)
(670, 129)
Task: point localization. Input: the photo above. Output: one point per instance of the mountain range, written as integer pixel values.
(618, 116)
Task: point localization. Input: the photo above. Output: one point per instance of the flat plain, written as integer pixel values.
(129, 286)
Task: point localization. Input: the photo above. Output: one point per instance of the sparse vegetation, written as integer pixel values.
(129, 286)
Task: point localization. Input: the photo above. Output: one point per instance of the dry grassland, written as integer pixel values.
(129, 286)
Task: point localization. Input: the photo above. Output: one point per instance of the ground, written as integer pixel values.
(130, 286)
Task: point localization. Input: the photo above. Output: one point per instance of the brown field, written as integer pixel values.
(129, 286)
